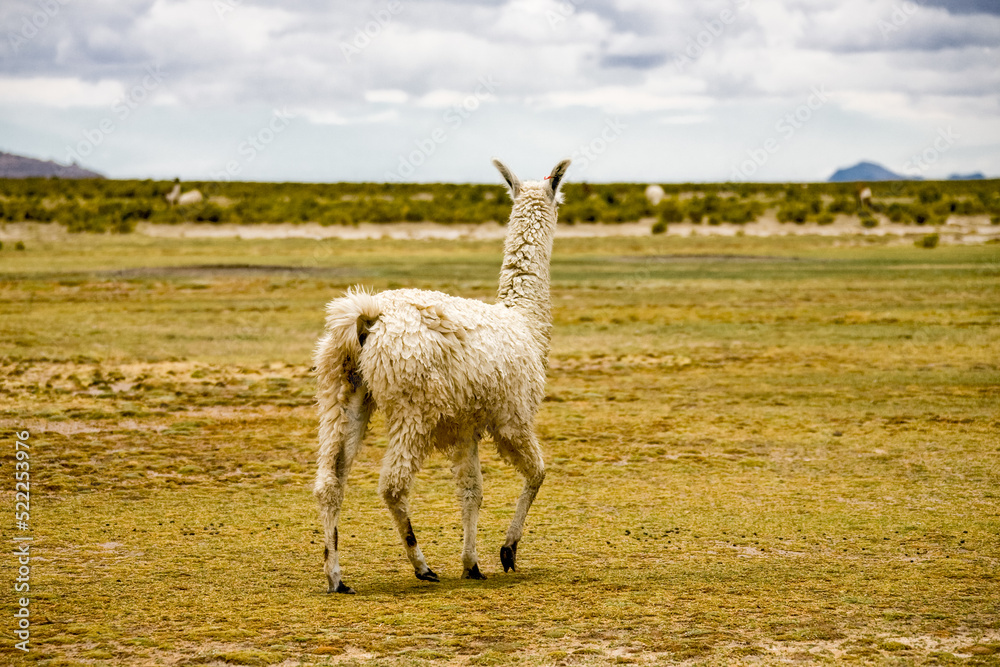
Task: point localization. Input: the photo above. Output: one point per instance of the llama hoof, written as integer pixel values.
(507, 557)
(427, 576)
(473, 573)
(342, 588)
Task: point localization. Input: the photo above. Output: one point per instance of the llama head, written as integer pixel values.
(550, 185)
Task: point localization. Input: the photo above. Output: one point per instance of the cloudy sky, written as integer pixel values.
(429, 90)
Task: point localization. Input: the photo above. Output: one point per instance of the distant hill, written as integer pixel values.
(18, 166)
(977, 176)
(868, 171)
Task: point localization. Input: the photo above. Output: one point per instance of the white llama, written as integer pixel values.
(655, 194)
(445, 371)
(175, 198)
(865, 197)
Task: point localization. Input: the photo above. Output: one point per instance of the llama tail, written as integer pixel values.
(345, 406)
(348, 321)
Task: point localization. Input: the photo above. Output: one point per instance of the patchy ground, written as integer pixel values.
(971, 229)
(760, 451)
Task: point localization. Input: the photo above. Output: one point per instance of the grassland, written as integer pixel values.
(98, 205)
(760, 451)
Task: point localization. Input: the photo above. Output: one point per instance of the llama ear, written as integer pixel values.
(513, 182)
(554, 180)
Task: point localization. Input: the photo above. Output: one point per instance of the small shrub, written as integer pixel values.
(670, 212)
(868, 220)
(699, 207)
(842, 205)
(929, 194)
(922, 215)
(927, 241)
(897, 212)
(137, 212)
(335, 216)
(660, 227)
(741, 213)
(792, 212)
(123, 226)
(210, 213)
(19, 246)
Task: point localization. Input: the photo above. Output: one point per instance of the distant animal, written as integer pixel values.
(865, 197)
(655, 194)
(175, 198)
(445, 371)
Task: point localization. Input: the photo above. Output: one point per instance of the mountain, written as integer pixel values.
(18, 166)
(868, 171)
(977, 176)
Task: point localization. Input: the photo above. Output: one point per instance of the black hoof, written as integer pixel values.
(427, 576)
(507, 557)
(473, 573)
(343, 588)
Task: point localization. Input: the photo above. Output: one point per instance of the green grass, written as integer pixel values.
(759, 450)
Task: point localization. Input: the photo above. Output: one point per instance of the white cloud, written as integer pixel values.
(624, 100)
(239, 27)
(59, 92)
(684, 119)
(891, 25)
(329, 117)
(386, 96)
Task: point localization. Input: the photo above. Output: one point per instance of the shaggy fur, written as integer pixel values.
(445, 371)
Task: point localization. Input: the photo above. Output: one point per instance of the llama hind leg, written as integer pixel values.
(525, 455)
(469, 478)
(399, 469)
(342, 431)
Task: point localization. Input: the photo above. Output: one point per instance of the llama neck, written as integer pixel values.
(524, 276)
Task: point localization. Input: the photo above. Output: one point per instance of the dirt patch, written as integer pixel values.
(228, 270)
(666, 259)
(959, 229)
(311, 230)
(608, 363)
(961, 646)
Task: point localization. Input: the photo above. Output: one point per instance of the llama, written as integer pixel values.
(655, 194)
(175, 198)
(445, 371)
(865, 197)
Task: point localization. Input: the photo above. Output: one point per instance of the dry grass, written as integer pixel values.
(760, 451)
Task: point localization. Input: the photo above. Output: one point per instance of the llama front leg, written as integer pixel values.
(342, 431)
(399, 469)
(526, 457)
(469, 478)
